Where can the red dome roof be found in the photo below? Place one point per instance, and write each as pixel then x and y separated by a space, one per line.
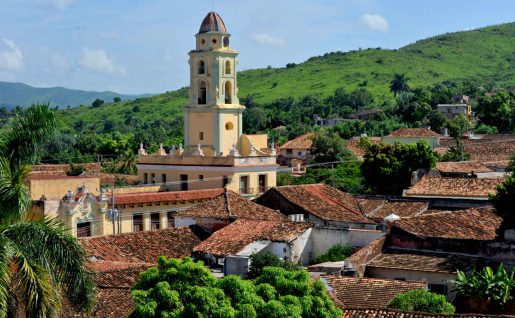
pixel 212 23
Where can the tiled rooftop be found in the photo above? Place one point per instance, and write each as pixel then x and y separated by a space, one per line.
pixel 417 260
pixel 414 133
pixel 110 302
pixel 368 292
pixel 141 246
pixel 392 313
pixel 463 167
pixel 377 209
pixel 120 277
pixel 491 150
pixel 454 187
pixel 234 237
pixel 471 224
pixel 146 197
pixel 323 201
pixel 229 205
pixel 303 142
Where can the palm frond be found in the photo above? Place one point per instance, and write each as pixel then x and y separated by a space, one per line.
pixel 38 291
pixel 4 279
pixel 27 131
pixel 58 252
pixel 15 197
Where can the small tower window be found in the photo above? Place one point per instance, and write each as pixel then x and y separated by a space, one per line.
pixel 228 92
pixel 227 67
pixel 202 92
pixel 201 135
pixel 201 67
pixel 229 126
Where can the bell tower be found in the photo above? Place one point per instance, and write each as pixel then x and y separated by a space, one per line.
pixel 213 117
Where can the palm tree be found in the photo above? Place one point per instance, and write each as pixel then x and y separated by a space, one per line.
pixel 39 261
pixel 399 84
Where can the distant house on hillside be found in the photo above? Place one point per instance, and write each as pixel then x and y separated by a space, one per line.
pixel 453 110
pixel 327 122
pixel 413 135
pixel 365 114
pixel 298 148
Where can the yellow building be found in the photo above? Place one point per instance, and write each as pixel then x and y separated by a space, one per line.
pixel 215 152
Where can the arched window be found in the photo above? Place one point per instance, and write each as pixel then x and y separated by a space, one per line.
pixel 202 89
pixel 201 67
pixel 227 67
pixel 228 92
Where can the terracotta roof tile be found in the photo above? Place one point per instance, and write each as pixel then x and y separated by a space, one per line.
pixel 303 142
pixel 141 246
pixel 463 167
pixel 414 133
pixel 110 302
pixel 377 209
pixel 145 197
pixel 392 313
pixel 454 187
pixel 496 150
pixel 230 205
pixel 404 259
pixel 471 224
pixel 323 201
pixel 234 237
pixel 368 292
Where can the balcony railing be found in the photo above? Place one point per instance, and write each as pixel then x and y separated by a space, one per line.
pixel 246 190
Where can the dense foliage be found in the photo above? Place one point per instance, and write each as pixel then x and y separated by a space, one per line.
pixel 40 262
pixel 422 300
pixel 497 110
pixel 262 260
pixel 504 201
pixel 184 288
pixel 498 286
pixel 335 253
pixel 387 168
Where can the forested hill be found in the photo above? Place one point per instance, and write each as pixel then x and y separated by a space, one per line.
pixel 483 57
pixel 19 94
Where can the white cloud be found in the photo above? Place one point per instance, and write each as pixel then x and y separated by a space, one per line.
pixel 11 58
pixel 267 39
pixel 59 62
pixel 60 4
pixel 98 61
pixel 375 22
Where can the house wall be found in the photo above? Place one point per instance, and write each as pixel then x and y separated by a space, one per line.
pixel 413 275
pixel 324 238
pixel 236 265
pixel 302 248
pixel 56 188
pixel 359 259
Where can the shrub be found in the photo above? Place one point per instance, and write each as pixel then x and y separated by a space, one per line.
pixel 75 170
pixel 261 260
pixel 336 253
pixel 422 300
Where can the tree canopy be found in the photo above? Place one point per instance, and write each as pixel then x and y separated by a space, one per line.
pixel 387 168
pixel 184 289
pixel 422 300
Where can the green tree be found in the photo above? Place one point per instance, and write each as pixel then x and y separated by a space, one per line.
pixel 97 103
pixel 456 152
pixel 497 110
pixel 338 252
pixel 399 84
pixel 262 260
pixel 436 120
pixel 184 288
pixel 328 146
pixel 117 99
pixel 422 300
pixel 458 126
pixel 36 254
pixel 75 170
pixel 504 201
pixel 387 168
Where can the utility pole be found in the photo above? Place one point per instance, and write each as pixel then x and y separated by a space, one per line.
pixel 113 211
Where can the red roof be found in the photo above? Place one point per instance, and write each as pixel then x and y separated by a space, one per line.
pixel 146 197
pixel 231 205
pixel 303 142
pixel 234 237
pixel 414 133
pixel 141 246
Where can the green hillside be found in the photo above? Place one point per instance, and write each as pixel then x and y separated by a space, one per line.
pixel 19 94
pixel 485 56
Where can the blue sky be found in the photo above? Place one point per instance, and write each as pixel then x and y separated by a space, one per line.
pixel 141 46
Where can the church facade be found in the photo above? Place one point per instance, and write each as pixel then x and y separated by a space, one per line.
pixel 215 152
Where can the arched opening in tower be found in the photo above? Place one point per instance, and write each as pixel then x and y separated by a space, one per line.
pixel 227 67
pixel 202 90
pixel 201 67
pixel 228 92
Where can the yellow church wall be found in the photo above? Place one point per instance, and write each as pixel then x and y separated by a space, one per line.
pixel 201 123
pixel 229 128
pixel 56 187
